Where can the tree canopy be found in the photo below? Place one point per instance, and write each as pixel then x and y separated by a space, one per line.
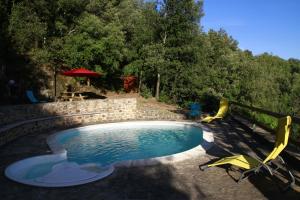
pixel 162 42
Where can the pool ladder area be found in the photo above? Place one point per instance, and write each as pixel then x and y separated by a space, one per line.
pixel 55 171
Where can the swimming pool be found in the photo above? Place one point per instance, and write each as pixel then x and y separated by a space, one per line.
pixel 109 143
pixel 89 153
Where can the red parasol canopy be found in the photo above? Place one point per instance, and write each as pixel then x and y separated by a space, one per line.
pixel 81 72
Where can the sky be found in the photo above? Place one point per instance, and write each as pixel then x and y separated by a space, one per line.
pixel 260 26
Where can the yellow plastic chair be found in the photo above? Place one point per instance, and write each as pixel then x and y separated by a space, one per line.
pixel 249 164
pixel 224 105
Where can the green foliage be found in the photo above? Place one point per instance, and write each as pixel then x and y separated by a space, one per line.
pixel 295 95
pixel 163 97
pixel 145 92
pixel 25 27
pixel 40 56
pixel 94 44
pixel 3 27
pixel 179 51
pixel 130 69
pixel 266 120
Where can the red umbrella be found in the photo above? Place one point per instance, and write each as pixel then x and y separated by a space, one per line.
pixel 81 72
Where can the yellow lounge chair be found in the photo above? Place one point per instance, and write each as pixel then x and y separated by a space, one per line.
pixel 221 113
pixel 249 164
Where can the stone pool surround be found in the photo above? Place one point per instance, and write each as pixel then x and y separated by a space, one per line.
pixel 19 120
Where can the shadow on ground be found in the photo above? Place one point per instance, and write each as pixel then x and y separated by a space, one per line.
pixel 92 95
pixel 233 140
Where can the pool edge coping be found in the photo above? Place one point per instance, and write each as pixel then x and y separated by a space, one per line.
pixel 199 150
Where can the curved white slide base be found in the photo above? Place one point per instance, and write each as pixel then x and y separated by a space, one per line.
pixel 55 171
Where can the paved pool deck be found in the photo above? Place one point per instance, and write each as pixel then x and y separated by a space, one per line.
pixel 180 180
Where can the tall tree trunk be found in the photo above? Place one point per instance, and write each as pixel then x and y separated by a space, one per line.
pixel 55 77
pixel 157 87
pixel 158 74
pixel 36 43
pixel 140 82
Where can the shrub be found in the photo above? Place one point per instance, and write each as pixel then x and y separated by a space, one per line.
pixel 145 92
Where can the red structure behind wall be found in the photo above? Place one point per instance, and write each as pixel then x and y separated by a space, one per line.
pixel 129 83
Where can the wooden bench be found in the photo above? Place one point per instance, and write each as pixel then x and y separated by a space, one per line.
pixel 71 96
pixel 79 97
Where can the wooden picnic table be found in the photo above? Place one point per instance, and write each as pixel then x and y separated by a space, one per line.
pixel 71 96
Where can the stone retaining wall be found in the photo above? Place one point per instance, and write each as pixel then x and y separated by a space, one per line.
pixel 23 119
pixel 145 113
pixel 112 108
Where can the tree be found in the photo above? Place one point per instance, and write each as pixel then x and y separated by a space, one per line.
pixel 140 24
pixel 222 57
pixel 179 28
pixel 295 88
pixel 161 41
pixel 25 28
pixel 3 26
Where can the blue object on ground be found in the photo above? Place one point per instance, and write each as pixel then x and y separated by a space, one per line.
pixel 32 98
pixel 195 110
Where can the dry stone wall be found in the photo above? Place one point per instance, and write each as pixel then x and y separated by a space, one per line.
pixel 20 120
pixel 111 108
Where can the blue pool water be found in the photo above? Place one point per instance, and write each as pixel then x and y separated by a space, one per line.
pixel 117 143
